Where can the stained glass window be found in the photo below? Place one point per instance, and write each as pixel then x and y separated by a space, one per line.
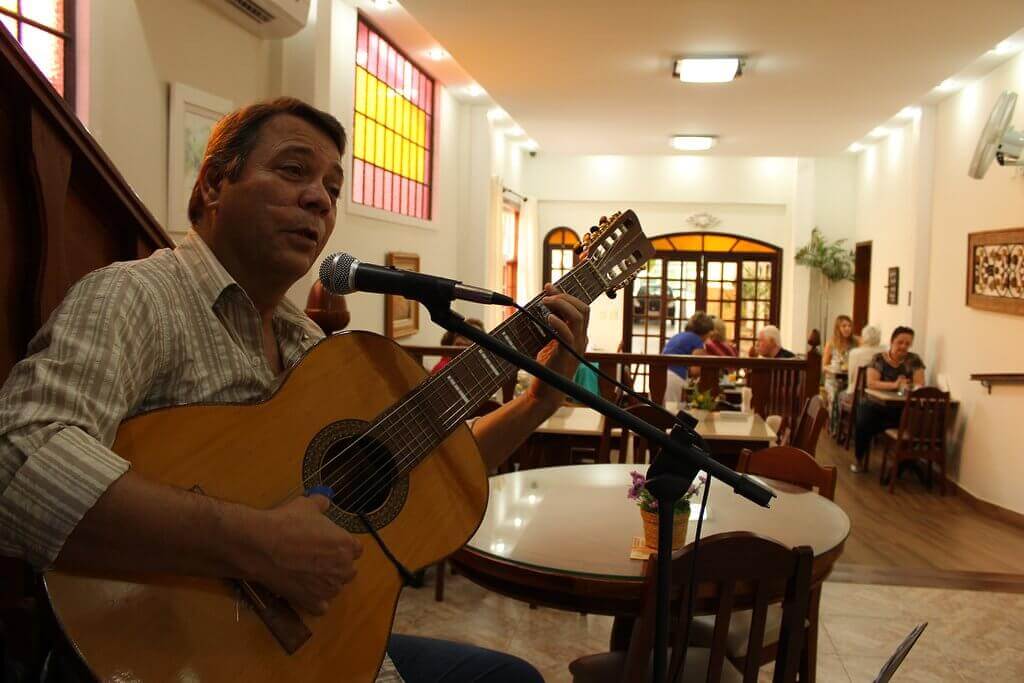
pixel 392 134
pixel 44 29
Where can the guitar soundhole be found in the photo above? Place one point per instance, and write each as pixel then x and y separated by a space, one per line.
pixel 361 471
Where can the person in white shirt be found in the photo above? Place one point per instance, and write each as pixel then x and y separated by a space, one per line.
pixel 860 357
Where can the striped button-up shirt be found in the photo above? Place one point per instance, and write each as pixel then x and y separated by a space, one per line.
pixel 170 329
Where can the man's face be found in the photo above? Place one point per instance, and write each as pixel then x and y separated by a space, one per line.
pixel 276 217
pixel 765 345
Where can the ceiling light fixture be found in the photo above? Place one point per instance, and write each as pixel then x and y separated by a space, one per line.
pixel 879 132
pixel 436 54
pixel 909 113
pixel 708 69
pixel 515 132
pixel 856 147
pixel 947 85
pixel 1004 48
pixel 497 114
pixel 693 143
pixel 474 90
pixel 531 146
pixel 382 4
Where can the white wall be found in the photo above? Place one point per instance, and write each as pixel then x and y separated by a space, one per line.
pixel 835 214
pixel 989 462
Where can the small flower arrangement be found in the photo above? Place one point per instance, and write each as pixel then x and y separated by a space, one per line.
pixel 646 502
pixel 703 400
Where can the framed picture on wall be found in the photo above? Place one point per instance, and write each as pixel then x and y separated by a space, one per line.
pixel 893 285
pixel 995 270
pixel 401 316
pixel 192 115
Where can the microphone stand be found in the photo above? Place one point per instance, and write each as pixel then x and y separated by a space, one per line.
pixel 669 476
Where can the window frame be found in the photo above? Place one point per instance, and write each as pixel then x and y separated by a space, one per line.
pixel 435 183
pixel 68 35
pixel 548 247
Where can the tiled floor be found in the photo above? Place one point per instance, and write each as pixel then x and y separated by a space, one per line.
pixel 971 636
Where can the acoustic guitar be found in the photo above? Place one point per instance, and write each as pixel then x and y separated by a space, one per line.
pixel 356 414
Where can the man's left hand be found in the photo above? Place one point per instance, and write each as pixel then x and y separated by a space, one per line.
pixel 569 318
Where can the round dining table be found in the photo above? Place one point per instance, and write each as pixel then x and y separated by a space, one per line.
pixel 561 536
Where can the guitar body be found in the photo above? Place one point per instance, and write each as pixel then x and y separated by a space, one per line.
pixel 161 628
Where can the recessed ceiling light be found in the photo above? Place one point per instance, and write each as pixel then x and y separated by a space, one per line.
pixel 708 69
pixel 879 132
pixel 1004 48
pixel 436 54
pixel 383 4
pixel 947 85
pixel 515 132
pixel 856 147
pixel 531 145
pixel 474 90
pixel 909 112
pixel 693 143
pixel 497 114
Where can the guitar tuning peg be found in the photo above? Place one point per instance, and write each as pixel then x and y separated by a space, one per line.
pixel 578 249
pixel 594 229
pixel 612 293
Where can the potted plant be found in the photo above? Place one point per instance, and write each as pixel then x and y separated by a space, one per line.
pixel 831 262
pixel 639 494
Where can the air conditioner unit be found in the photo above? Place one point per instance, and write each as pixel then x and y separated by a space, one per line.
pixel 266 18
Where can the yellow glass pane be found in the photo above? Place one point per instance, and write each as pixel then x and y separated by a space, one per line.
pixel 419 164
pixel 718 243
pixel 408 120
pixel 662 244
pixel 358 136
pixel 421 126
pixel 563 237
pixel 371 140
pixel 403 125
pixel 389 151
pixel 389 118
pixel 405 158
pixel 371 96
pixel 747 246
pixel 382 106
pixel 360 90
pixel 379 146
pixel 396 154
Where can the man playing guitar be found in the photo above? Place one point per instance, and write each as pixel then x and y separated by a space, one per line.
pixel 209 322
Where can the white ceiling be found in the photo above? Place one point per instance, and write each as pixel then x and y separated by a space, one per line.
pixel 595 77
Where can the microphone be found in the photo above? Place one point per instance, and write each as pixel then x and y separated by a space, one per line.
pixel 342 273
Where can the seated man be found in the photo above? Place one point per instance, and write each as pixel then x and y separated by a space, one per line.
pixel 769 344
pixel 209 322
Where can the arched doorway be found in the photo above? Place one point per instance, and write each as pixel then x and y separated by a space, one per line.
pixel 559 253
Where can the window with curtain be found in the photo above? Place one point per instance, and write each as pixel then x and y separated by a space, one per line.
pixel 733 278
pixel 45 28
pixel 392 135
pixel 509 250
pixel 559 255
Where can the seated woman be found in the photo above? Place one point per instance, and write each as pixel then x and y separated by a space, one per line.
pixel 688 342
pixel 452 339
pixel 841 343
pixel 895 370
pixel 717 344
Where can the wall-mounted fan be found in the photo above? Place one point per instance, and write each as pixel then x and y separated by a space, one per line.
pixel 998 141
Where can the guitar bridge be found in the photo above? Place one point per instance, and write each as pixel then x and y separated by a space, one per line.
pixel 280 618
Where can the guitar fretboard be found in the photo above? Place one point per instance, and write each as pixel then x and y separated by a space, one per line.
pixel 415 426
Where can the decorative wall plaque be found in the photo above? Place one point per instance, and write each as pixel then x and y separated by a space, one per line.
pixel 893 286
pixel 995 270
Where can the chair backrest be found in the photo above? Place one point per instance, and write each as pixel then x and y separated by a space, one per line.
pixel 785 392
pixel 790 465
pixel 923 423
pixel 744 571
pixel 808 428
pixel 859 385
pixel 644 452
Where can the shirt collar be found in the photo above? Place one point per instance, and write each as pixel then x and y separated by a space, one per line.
pixel 212 279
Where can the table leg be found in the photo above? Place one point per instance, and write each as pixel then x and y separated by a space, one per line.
pixel 622 631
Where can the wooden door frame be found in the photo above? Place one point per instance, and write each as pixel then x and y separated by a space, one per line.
pixel 862 288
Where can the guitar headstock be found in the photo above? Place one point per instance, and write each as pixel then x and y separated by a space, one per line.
pixel 617 249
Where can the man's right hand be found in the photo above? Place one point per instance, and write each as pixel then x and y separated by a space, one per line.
pixel 302 555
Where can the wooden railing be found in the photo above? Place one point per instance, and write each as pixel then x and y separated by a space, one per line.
pixel 778 386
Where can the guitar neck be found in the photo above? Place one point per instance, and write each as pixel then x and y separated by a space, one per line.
pixel 428 414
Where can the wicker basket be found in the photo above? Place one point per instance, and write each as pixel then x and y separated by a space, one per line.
pixel 679 523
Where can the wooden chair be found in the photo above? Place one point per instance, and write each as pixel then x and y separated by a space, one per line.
pixel 805 433
pixel 486 407
pixel 796 467
pixel 921 435
pixel 848 412
pixel 725 562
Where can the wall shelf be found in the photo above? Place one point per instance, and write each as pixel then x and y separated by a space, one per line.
pixel 987 380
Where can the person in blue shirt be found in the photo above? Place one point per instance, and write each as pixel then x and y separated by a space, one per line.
pixel 690 341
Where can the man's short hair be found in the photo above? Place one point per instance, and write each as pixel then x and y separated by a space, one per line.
pixel 901 330
pixel 772 333
pixel 235 136
pixel 700 324
pixel 870 335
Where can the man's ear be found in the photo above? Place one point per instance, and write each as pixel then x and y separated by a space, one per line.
pixel 210 188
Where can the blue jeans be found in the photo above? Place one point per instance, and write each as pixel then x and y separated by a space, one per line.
pixel 425 660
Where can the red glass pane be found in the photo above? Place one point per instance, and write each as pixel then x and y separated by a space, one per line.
pixel 357 181
pixel 426 164
pixel 400 73
pixel 368 185
pixel 382 59
pixel 46 12
pixel 371 53
pixel 361 47
pixel 419 200
pixel 387 189
pixel 430 97
pixel 429 138
pixel 47 51
pixel 405 196
pixel 391 67
pixel 378 188
pixel 396 194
